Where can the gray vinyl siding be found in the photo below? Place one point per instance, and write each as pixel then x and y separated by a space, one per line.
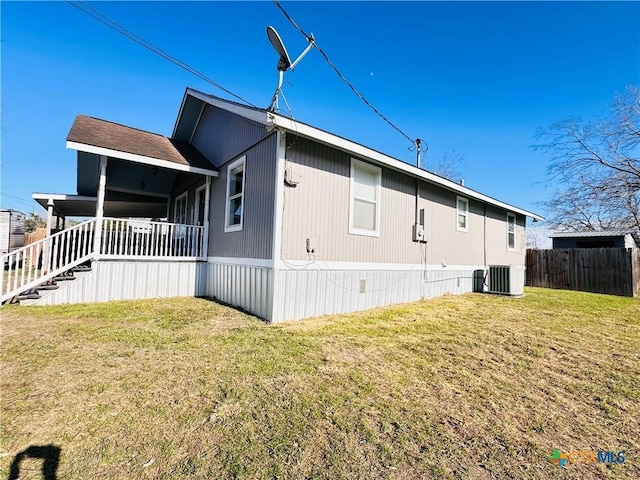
pixel 255 240
pixel 221 136
pixel 318 207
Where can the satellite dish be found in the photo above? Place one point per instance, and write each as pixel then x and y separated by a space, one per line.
pixel 284 62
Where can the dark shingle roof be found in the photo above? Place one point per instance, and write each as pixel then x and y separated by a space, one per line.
pixel 113 136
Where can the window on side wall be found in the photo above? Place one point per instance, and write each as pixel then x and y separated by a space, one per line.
pixel 364 202
pixel 180 209
pixel 234 208
pixel 462 217
pixel 511 231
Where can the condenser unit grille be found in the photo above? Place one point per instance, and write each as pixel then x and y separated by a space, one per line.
pixel 506 279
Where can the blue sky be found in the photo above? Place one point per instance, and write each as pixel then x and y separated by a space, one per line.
pixel 478 78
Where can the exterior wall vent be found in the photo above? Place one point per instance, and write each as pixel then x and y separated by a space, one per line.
pixel 506 279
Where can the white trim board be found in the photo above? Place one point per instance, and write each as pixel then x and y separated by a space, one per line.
pixel 382 159
pixel 278 204
pixel 272 120
pixel 62 196
pixel 244 111
pixel 322 265
pixel 132 157
pixel 351 266
pixel 134 258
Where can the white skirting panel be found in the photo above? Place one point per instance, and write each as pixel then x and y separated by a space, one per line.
pixel 131 280
pixel 313 292
pixel 452 280
pixel 248 287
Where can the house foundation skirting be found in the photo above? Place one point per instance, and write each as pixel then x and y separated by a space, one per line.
pixel 302 293
pixel 256 286
pixel 302 290
pixel 131 280
pixel 243 285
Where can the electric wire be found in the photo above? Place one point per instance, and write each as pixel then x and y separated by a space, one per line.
pixel 342 77
pixel 112 24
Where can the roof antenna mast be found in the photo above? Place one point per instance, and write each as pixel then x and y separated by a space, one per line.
pixel 284 63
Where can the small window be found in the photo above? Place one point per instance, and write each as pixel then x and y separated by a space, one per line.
pixel 235 196
pixel 180 210
pixel 511 231
pixel 364 204
pixel 462 217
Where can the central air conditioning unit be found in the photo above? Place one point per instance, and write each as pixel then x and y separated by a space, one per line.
pixel 506 279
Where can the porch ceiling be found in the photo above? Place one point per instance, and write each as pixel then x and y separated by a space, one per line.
pixel 115 205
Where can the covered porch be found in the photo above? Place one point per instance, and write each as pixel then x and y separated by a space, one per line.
pixel 133 189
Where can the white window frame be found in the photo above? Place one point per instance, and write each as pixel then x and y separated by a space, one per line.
pixel 377 171
pixel 231 166
pixel 184 195
pixel 515 229
pixel 465 213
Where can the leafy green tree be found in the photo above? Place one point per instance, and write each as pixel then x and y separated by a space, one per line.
pixel 34 221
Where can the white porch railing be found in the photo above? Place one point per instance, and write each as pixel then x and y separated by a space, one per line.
pixel 38 262
pixel 158 240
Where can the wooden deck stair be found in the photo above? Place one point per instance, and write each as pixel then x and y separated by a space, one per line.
pixel 52 284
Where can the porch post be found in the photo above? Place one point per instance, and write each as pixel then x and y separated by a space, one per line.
pixel 50 206
pixel 100 205
pixel 207 199
pixel 46 257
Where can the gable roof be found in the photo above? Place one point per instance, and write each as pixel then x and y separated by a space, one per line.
pixel 188 121
pixel 93 135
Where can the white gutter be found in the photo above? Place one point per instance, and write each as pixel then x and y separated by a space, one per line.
pixel 382 159
pixel 272 120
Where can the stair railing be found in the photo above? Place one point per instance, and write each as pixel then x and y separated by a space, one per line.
pixel 40 261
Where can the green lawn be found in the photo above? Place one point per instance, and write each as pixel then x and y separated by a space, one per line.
pixel 475 386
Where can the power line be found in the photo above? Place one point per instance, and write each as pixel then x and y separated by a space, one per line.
pixel 342 77
pixel 112 24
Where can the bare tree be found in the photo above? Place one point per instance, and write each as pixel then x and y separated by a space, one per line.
pixel 595 167
pixel 449 166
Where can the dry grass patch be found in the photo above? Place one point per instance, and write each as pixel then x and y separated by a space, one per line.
pixel 457 387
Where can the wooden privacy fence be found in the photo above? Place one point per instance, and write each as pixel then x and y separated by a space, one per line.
pixel 615 271
pixel 32 237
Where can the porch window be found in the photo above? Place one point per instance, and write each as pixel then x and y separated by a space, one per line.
pixel 180 209
pixel 364 211
pixel 235 196
pixel 511 231
pixel 462 217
